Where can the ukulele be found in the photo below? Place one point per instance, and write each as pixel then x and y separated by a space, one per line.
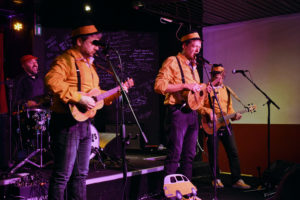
pixel 80 113
pixel 196 99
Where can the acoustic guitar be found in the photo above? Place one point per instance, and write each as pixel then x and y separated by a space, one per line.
pixel 208 124
pixel 196 99
pixel 80 113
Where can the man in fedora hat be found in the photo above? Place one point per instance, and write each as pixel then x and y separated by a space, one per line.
pixel 177 74
pixel 228 141
pixel 71 72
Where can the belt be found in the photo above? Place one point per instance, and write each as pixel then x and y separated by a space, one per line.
pixel 182 107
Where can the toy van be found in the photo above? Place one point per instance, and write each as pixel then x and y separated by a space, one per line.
pixel 178 186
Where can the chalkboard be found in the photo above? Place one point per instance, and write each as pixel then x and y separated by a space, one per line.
pixel 56 42
pixel 139 60
pixel 139 55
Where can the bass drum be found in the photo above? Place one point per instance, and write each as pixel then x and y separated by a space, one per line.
pixel 95 141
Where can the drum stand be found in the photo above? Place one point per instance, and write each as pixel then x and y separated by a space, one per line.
pixel 96 151
pixel 40 150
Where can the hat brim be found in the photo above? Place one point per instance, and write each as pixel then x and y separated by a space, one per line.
pixel 84 31
pixel 190 36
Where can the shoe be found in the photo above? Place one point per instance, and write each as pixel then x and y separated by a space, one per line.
pixel 240 184
pixel 219 183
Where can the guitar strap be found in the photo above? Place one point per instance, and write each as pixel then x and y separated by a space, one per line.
pixel 229 90
pixel 210 101
pixel 78 77
pixel 229 97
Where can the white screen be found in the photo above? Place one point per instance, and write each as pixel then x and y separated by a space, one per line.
pixel 270 49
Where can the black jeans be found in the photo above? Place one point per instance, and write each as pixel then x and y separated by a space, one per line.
pixel 229 144
pixel 182 141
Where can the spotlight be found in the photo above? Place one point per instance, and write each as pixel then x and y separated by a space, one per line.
pixel 17 26
pixel 87 8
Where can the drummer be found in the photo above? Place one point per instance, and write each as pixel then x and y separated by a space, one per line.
pixel 29 86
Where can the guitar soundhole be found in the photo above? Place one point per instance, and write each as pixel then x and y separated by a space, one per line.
pixel 81 108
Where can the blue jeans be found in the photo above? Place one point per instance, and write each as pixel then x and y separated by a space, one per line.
pixel 71 145
pixel 182 141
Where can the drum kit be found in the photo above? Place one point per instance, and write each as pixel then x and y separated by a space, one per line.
pixel 33 124
pixel 34 137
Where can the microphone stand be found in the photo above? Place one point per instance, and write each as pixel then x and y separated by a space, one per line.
pixel 215 98
pixel 269 102
pixel 125 140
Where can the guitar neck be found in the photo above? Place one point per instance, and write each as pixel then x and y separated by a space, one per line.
pixel 215 81
pixel 107 93
pixel 230 116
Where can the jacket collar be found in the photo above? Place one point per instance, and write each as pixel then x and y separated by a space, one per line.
pixel 186 61
pixel 79 57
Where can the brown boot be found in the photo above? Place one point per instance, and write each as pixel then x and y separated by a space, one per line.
pixel 241 185
pixel 219 183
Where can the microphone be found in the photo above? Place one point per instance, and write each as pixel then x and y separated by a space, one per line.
pixel 103 45
pixel 202 59
pixel 234 71
pixel 100 43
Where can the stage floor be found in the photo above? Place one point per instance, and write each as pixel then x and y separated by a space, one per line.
pixel 144 181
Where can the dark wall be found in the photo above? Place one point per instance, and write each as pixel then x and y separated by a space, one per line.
pixel 16 44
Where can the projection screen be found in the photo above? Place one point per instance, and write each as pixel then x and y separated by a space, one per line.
pixel 270 49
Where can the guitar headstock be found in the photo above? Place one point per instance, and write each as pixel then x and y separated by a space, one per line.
pixel 129 83
pixel 251 108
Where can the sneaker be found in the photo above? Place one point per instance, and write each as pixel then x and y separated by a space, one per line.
pixel 219 183
pixel 240 184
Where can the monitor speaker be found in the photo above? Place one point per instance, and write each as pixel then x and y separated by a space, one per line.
pixel 132 130
pixel 111 143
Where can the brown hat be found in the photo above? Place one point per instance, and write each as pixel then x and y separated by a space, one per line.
pixel 190 36
pixel 84 30
pixel 25 58
pixel 217 69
